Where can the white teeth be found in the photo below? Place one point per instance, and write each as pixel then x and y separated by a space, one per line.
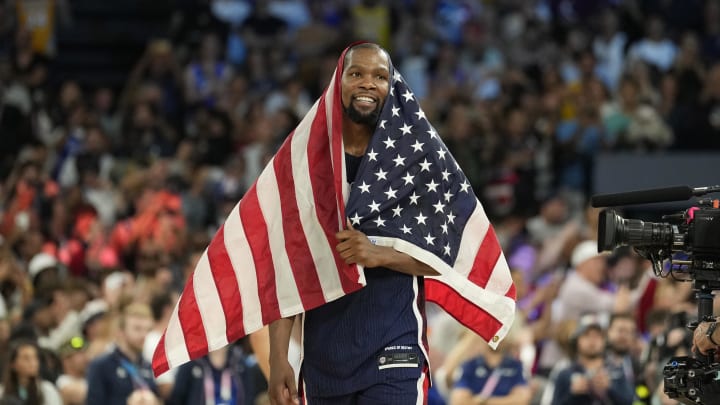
pixel 366 99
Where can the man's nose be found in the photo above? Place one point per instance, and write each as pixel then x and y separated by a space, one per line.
pixel 367 82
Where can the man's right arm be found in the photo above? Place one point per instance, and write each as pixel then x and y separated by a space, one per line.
pixel 281 387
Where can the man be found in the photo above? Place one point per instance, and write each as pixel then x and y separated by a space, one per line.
pixel 72 383
pixel 222 377
pixel 119 375
pixel 359 203
pixel 344 339
pixel 621 338
pixel 589 380
pixel 494 377
pixel 582 292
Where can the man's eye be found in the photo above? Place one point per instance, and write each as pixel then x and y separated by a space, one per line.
pixel 382 77
pixel 355 74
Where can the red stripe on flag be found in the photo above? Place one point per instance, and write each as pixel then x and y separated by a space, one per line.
pixel 511 292
pixel 303 265
pixel 486 258
pixel 255 229
pixel 191 322
pixel 336 146
pixel 463 310
pixel 227 286
pixel 159 360
pixel 324 192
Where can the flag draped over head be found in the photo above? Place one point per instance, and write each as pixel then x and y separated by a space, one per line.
pixel 275 254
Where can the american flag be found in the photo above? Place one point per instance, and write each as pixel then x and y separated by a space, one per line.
pixel 275 254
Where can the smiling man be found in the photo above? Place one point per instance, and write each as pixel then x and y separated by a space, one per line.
pixel 366 347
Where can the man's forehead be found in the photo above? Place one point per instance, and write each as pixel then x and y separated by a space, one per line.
pixel 364 55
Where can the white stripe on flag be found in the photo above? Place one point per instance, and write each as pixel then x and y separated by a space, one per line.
pixel 240 257
pixel 209 305
pixel 269 201
pixel 175 347
pixel 500 280
pixel 475 230
pixel 329 103
pixel 320 249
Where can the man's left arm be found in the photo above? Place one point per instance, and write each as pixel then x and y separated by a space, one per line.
pixel 355 247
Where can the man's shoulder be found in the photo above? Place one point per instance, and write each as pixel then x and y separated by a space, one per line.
pixel 104 360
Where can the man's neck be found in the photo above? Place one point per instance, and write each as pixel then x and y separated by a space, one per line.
pixel 617 355
pixel 356 137
pixel 591 363
pixel 128 352
pixel 493 358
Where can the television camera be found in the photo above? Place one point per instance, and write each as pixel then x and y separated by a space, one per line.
pixel 685 247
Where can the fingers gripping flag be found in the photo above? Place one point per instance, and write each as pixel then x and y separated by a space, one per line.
pixel 275 254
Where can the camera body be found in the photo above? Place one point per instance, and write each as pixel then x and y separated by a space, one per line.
pixel 686 247
pixel 694 233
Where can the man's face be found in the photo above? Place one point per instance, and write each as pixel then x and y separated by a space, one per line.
pixel 591 344
pixel 135 330
pixel 621 335
pixel 365 84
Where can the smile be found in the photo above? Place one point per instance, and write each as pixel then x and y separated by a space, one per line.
pixel 365 100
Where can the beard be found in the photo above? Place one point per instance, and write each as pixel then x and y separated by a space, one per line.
pixel 620 351
pixel 592 355
pixel 370 118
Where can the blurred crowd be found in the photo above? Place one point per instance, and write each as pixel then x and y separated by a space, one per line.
pixel 109 195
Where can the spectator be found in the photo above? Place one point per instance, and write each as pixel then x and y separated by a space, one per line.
pixel 159 66
pixel 22 377
pixel 622 346
pixel 589 379
pixel 72 383
pixel 65 320
pixel 162 305
pixel 656 49
pixel 262 30
pixel 115 376
pixel 223 376
pixel 494 377
pixel 609 49
pixel 581 292
pixel 208 75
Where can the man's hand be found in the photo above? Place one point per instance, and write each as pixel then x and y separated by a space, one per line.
pixel 142 397
pixel 281 387
pixel 579 384
pixel 355 247
pixel 700 339
pixel 600 381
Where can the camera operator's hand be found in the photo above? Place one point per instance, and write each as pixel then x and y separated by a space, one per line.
pixel 701 342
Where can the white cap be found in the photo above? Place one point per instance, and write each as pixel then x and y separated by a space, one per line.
pixel 92 309
pixel 39 262
pixel 583 251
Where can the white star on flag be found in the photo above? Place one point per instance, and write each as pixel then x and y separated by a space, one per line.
pixel 365 188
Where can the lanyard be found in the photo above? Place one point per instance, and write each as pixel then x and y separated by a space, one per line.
pixel 491 383
pixel 209 385
pixel 137 380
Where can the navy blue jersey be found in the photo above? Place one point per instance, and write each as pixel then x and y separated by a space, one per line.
pixel 350 343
